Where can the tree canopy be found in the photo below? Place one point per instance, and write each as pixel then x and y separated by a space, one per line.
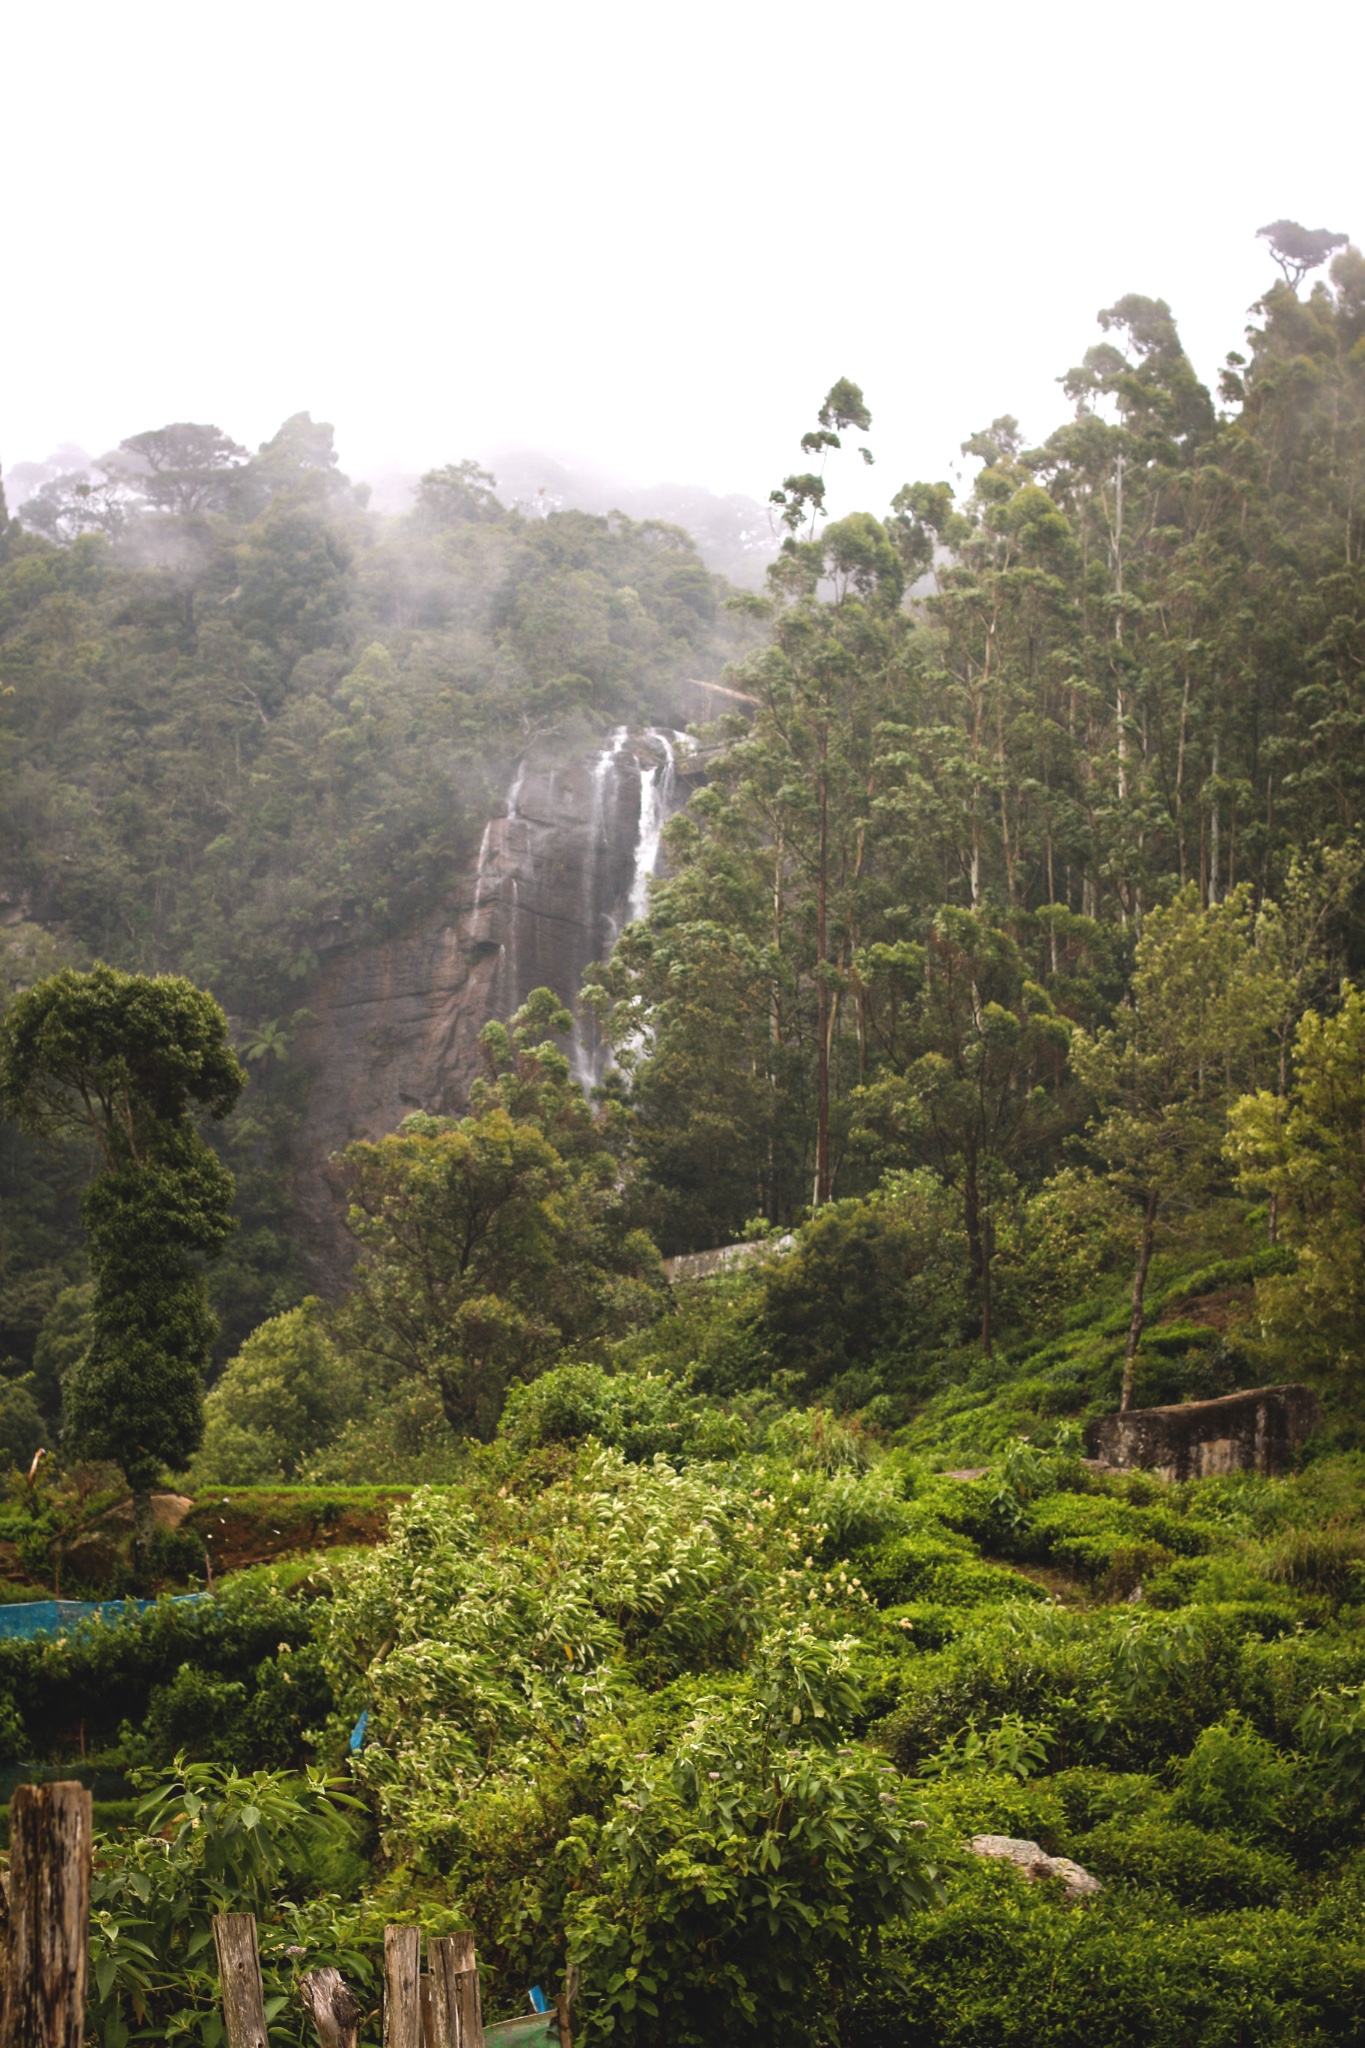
pixel 124 1059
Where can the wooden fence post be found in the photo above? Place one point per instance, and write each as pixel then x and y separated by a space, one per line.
pixel 333 2008
pixel 402 1987
pixel 239 1971
pixel 564 2006
pixel 456 2013
pixel 49 1913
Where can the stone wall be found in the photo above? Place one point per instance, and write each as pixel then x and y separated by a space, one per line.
pixel 1255 1431
pixel 705 1265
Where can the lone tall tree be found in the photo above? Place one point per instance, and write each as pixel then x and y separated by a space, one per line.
pixel 1203 1004
pixel 124 1059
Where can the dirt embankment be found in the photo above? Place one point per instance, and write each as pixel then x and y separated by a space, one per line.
pixel 243 1526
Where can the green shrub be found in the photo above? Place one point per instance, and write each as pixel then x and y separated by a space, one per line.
pixel 193 1715
pixel 1328 1560
pixel 1191 1865
pixel 286 1393
pixel 245 1723
pixel 922 1625
pixel 740 1882
pixel 1236 1782
pixel 403 1439
pixel 997 1803
pixel 942 1572
pixel 211 1841
pixel 852 1514
pixel 1089 1796
pixel 22 1426
pixel 176 1554
pixel 1005 1965
pixel 1124 1689
pixel 643 1415
pixel 815 1441
pixel 869 1285
pixel 100 1676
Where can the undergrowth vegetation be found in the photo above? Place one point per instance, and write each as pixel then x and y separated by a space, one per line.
pixel 709 1700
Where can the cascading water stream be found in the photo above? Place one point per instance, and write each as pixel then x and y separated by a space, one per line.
pixel 482 868
pixel 555 884
pixel 587 1059
pixel 656 789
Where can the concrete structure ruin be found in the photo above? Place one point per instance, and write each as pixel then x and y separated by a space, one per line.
pixel 1256 1431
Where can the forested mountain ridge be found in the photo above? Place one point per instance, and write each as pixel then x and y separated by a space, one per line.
pixel 188 684
pixel 905 921
pixel 246 722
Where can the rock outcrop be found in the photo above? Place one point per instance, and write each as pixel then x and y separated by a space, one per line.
pixel 1034 1863
pixel 1255 1431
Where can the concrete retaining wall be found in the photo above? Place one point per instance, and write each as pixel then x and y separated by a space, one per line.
pixel 1251 1432
pixel 704 1265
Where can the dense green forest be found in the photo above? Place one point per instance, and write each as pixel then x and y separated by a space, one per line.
pixel 1001 994
pixel 245 721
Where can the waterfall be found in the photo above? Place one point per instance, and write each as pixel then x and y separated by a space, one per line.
pixel 656 788
pixel 511 957
pixel 482 868
pixel 587 1059
pixel 564 865
pixel 601 771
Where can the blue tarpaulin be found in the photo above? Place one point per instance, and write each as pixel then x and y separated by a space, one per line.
pixel 49 1617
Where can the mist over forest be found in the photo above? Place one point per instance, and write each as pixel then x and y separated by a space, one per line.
pixel 702 1163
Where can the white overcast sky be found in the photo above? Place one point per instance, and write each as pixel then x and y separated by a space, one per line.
pixel 650 235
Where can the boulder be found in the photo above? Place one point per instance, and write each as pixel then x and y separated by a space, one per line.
pixel 1034 1862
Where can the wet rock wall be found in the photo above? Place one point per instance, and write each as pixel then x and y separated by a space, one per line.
pixel 561 868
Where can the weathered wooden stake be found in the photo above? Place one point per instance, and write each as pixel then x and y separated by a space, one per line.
pixel 239 1970
pixel 402 1987
pixel 456 2013
pixel 564 2006
pixel 49 1913
pixel 333 2008
pixel 562 2015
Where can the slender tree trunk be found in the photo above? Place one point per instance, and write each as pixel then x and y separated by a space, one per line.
pixel 144 1523
pixel 978 1256
pixel 1139 1315
pixel 1180 779
pixel 987 1249
pixel 822 992
pixel 1273 1209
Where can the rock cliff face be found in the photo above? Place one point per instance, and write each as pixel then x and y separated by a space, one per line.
pixel 560 870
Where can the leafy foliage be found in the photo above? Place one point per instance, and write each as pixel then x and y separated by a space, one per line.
pixel 211 1841
pixel 488 1241
pixel 122 1059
